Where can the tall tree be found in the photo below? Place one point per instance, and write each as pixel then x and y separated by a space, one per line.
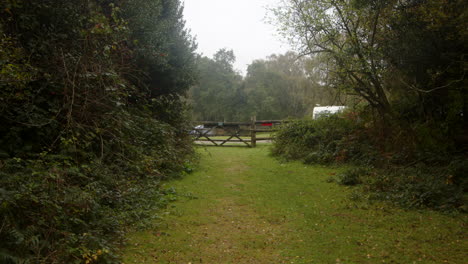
pixel 345 33
pixel 407 59
pixel 425 46
pixel 277 87
pixel 287 85
pixel 217 96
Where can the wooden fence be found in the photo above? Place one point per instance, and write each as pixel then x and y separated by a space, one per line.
pixel 244 133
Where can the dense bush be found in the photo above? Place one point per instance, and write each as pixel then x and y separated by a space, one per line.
pixel 91 122
pixel 420 186
pixel 352 176
pixel 325 140
pixel 59 210
pixel 394 168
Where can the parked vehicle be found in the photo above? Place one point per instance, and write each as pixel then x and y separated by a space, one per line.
pixel 201 129
pixel 324 111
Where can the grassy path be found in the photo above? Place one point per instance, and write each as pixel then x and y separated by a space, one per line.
pixel 242 206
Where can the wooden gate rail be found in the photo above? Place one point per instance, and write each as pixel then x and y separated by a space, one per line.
pixel 208 131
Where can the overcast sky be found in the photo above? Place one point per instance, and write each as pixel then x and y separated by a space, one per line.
pixel 234 24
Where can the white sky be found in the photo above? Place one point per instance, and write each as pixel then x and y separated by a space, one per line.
pixel 233 24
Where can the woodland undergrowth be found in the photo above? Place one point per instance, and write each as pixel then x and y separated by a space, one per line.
pixel 91 123
pixel 397 167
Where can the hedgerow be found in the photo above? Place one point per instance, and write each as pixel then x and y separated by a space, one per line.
pixel 402 170
pixel 91 123
pixel 325 140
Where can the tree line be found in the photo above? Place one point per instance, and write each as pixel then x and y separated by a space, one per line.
pixel 278 87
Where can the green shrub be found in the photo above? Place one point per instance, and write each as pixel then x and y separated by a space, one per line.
pixel 57 210
pixel 91 122
pixel 408 172
pixel 325 140
pixel 417 187
pixel 352 176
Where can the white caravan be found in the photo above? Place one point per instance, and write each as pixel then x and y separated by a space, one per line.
pixel 323 111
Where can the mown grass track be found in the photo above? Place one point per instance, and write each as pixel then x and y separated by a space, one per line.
pixel 243 206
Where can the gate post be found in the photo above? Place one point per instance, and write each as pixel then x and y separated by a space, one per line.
pixel 253 135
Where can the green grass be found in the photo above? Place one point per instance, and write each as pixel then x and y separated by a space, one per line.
pixel 243 206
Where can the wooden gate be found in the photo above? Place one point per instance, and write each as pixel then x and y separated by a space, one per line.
pixel 244 133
